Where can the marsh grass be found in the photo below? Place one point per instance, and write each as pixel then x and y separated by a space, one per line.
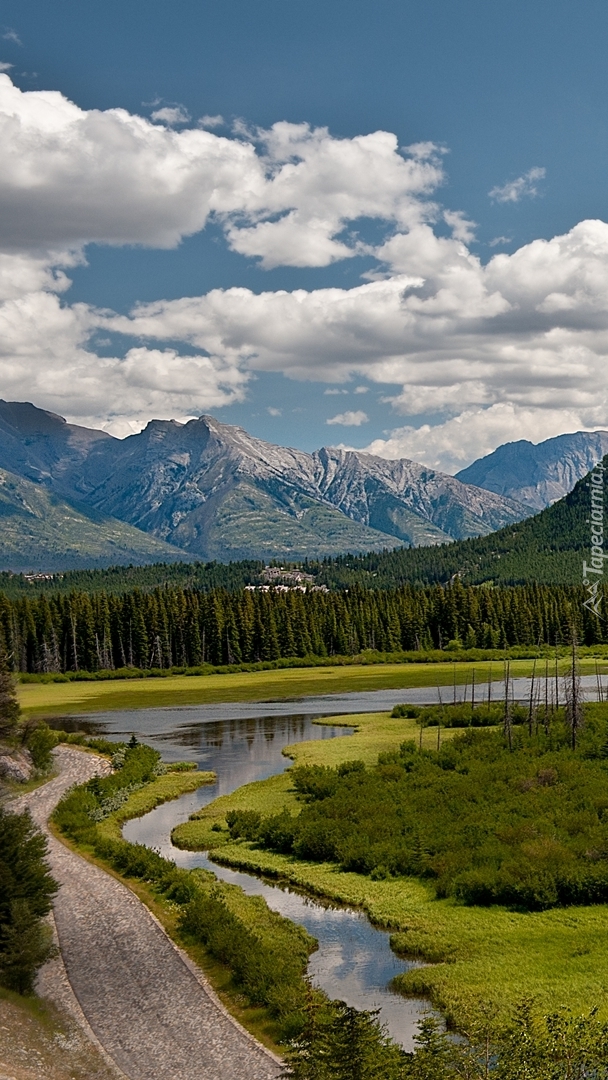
pixel 66 698
pixel 473 955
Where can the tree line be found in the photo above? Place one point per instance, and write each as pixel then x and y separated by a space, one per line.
pixel 175 627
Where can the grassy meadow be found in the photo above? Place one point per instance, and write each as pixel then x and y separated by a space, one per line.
pixel 67 698
pixel 471 955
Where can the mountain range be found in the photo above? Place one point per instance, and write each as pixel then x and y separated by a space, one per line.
pixel 546 549
pixel 213 491
pixel 72 496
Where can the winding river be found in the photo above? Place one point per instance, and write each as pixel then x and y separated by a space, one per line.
pixel 354 961
pixel 242 742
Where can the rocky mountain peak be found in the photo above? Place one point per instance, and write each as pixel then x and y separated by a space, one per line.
pixel 538 474
pixel 216 491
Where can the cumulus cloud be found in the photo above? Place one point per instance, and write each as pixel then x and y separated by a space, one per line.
pixel 274 412
pixel 527 330
pixel 71 176
pixel 45 358
pixel 488 349
pixel 171 115
pixel 455 443
pixel 514 190
pixel 349 419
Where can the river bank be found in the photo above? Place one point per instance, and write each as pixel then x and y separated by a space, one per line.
pixel 48 699
pixel 477 954
pixel 472 954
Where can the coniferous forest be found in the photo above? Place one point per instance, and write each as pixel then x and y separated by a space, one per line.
pixel 176 627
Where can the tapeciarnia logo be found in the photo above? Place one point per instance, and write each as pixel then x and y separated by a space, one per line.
pixel 596 535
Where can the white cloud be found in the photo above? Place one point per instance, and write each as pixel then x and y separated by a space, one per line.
pixel 11 35
pixel 455 443
pixel 462 228
pixel 333 391
pixel 486 349
pixel 5 66
pixel 361 390
pixel 498 241
pixel 70 177
pixel 274 412
pixel 529 330
pixel 349 419
pixel 171 115
pixel 514 190
pixel 44 358
pixel 207 121
pixel 27 274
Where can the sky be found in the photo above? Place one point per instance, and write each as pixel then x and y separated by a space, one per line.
pixel 377 225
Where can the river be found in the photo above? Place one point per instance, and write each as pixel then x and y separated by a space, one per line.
pixel 354 961
pixel 243 742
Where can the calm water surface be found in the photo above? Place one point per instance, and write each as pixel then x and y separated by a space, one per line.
pixel 354 961
pixel 242 742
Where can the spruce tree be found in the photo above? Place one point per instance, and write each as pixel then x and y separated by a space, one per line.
pixel 26 892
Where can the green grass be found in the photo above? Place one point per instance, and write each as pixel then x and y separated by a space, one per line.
pixel 170 786
pixel 375 732
pixel 60 699
pixel 473 955
pixel 251 910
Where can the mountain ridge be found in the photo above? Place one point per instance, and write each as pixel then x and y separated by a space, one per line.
pixel 551 468
pixel 215 491
pixel 39 530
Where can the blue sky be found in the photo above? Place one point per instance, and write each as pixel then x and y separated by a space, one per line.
pixel 395 321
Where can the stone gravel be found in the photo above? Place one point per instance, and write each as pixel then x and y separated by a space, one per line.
pixel 153 1013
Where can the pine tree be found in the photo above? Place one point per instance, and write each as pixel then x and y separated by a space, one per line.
pixel 26 892
pixel 25 944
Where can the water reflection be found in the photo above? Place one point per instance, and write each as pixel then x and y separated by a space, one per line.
pixel 354 961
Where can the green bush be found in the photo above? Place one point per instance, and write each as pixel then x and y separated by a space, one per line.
pixel 80 808
pixel 266 954
pixel 526 827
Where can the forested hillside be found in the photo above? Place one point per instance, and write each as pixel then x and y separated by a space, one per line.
pixel 187 628
pixel 544 549
pixel 117 579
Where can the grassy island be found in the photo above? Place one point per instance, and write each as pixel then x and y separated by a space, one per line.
pixel 475 950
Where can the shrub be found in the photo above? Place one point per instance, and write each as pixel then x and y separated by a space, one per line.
pixel 243 824
pixel 40 742
pixel 526 827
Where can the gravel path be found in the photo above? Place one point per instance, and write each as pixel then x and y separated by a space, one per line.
pixel 148 1006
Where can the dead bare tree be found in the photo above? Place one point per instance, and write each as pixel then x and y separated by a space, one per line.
pixel 574 694
pixel 531 704
pixel 508 719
